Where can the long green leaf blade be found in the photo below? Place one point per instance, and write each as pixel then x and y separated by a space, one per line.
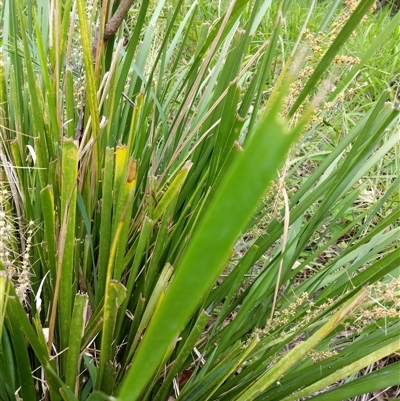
pixel 211 246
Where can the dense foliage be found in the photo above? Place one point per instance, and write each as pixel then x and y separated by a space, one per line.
pixel 198 201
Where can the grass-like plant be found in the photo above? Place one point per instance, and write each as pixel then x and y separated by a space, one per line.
pixel 149 248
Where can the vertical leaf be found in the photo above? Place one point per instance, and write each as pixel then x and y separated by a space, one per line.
pixel 47 198
pixel 105 224
pixel 128 191
pixel 91 91
pixel 74 343
pixel 66 274
pixel 115 294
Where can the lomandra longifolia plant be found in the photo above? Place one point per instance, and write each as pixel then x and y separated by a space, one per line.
pixel 181 216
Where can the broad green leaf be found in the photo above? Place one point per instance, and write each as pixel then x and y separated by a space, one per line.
pixel 210 246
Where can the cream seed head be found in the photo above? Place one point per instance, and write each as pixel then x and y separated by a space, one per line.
pixel 13 254
pixel 318 356
pixel 318 45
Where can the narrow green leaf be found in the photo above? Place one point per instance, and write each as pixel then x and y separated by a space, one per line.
pixel 42 158
pixel 66 394
pixel 337 44
pixel 27 389
pixel 355 389
pixel 100 396
pixel 172 191
pixel 206 387
pixel 47 198
pixel 115 294
pixel 376 44
pixel 53 391
pixel 93 327
pixel 116 94
pixel 121 161
pixel 386 377
pixel 51 103
pixel 233 283
pixel 74 342
pixel 105 225
pixel 91 89
pixel 128 192
pixel 65 17
pixel 16 155
pixel 187 348
pixel 36 109
pixel 4 283
pixel 145 233
pixel 18 317
pixel 8 370
pixel 368 342
pixel 66 273
pixel 70 104
pixel 155 300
